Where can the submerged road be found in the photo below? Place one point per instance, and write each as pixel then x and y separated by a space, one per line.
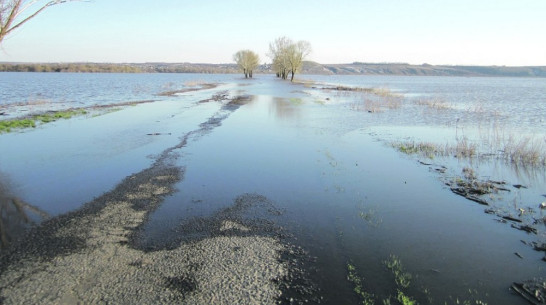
pixel 262 192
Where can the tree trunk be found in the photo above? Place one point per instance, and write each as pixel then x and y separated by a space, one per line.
pixel 292 78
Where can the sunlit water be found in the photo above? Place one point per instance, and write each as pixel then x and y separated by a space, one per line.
pixel 346 196
pixel 514 103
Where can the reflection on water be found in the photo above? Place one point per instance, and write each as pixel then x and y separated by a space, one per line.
pixel 15 215
pixel 286 108
pixel 346 198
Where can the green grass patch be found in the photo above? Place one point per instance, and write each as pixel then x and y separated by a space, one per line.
pixel 52 117
pixel 8 126
pixel 296 101
pixel 353 277
pixel 428 150
pixel 402 278
pixel 31 122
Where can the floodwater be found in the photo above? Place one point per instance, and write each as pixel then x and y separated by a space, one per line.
pixel 346 197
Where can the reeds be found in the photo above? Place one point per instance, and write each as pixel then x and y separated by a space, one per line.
pixel 463 148
pixel 520 151
pixel 524 151
pixel 434 103
pixel 373 104
pixel 195 83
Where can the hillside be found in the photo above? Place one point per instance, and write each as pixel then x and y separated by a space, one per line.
pixel 422 70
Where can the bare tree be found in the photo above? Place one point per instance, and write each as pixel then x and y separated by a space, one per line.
pixel 278 54
pixel 296 54
pixel 14 13
pixel 247 61
pixel 288 56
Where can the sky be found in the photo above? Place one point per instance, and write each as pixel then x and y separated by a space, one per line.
pixel 441 32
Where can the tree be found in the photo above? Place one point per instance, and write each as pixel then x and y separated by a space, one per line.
pixel 278 54
pixel 296 53
pixel 288 56
pixel 247 61
pixel 14 13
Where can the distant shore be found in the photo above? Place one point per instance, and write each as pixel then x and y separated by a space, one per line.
pixel 356 68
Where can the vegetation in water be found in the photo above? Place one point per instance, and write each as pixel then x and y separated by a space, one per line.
pixel 525 151
pixel 426 149
pixel 353 277
pixel 9 125
pixel 370 217
pixel 31 122
pixel 402 278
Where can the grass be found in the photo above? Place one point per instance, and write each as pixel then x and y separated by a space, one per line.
pixel 402 278
pixel 374 104
pixel 404 299
pixel 9 125
pixel 463 149
pixel 426 149
pixel 382 91
pixel 523 151
pixel 434 103
pixel 52 117
pixel 403 281
pixel 366 297
pixel 370 218
pixel 296 101
pixel 194 83
pixel 373 99
pixel 31 122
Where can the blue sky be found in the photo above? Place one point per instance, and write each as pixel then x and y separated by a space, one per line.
pixel 477 32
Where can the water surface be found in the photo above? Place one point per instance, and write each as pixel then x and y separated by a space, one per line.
pixel 346 197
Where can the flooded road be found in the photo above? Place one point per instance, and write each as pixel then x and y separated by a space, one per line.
pixel 316 167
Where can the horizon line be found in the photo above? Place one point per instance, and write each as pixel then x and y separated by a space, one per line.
pixel 232 63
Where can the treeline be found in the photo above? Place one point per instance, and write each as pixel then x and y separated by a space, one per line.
pixel 118 68
pixel 188 68
pixel 307 67
pixel 70 67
